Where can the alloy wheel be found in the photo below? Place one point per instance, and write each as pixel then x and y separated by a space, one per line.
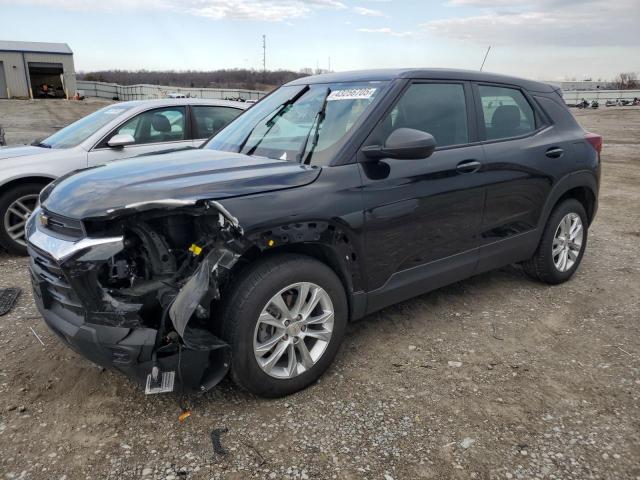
pixel 16 216
pixel 567 242
pixel 293 330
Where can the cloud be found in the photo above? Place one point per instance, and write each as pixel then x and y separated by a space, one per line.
pixel 386 31
pixel 543 22
pixel 260 10
pixel 368 12
pixel 501 4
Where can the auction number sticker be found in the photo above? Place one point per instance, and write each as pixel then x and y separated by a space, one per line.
pixel 351 94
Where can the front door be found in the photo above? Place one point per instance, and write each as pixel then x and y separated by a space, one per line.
pixel 423 217
pixel 153 130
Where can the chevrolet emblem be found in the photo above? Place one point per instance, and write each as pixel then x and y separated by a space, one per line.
pixel 44 220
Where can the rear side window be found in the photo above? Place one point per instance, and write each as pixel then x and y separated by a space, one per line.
pixel 506 111
pixel 436 108
pixel 210 120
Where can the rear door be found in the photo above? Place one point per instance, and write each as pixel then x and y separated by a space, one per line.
pixel 519 144
pixel 422 217
pixel 153 130
pixel 207 120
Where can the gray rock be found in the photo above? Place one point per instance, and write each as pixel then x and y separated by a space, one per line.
pixel 467 442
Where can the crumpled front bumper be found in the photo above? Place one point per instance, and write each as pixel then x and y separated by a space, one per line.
pixel 125 349
pixel 57 264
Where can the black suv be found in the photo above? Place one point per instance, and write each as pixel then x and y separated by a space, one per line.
pixel 333 197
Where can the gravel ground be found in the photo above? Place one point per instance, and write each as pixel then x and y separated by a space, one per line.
pixel 27 120
pixel 494 377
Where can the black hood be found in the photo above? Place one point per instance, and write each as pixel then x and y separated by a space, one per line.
pixel 175 178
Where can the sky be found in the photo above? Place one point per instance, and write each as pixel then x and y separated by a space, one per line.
pixel 540 39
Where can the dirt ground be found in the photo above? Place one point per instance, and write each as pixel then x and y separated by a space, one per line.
pixel 494 377
pixel 27 120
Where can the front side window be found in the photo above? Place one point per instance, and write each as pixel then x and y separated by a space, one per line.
pixel 506 112
pixel 154 126
pixel 435 108
pixel 304 123
pixel 208 121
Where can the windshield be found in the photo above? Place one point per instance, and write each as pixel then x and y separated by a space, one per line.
pixel 303 123
pixel 79 131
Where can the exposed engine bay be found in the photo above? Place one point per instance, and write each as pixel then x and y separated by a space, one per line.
pixel 166 259
pixel 159 284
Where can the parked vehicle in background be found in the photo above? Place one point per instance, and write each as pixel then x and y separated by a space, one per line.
pixel 331 198
pixel 583 104
pixel 176 95
pixel 114 132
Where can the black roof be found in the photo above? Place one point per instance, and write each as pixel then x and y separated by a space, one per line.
pixel 423 73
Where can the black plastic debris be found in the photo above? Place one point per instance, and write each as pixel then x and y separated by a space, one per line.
pixel 8 297
pixel 215 440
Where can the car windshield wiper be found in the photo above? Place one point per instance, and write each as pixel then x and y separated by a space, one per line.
pixel 271 122
pixel 317 121
pixel 40 144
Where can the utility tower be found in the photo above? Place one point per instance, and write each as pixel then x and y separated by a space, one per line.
pixel 264 54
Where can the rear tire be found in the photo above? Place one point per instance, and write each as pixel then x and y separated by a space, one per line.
pixel 258 330
pixel 562 245
pixel 16 204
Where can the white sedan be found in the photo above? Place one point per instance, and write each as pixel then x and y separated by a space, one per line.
pixel 121 130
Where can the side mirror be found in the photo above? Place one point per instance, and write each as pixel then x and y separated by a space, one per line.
pixel 121 140
pixel 403 144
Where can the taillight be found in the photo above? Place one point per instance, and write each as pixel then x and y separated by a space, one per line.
pixel 595 140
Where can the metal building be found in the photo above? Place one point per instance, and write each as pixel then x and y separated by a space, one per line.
pixel 36 70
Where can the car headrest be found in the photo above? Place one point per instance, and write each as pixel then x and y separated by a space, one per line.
pixel 160 123
pixel 506 117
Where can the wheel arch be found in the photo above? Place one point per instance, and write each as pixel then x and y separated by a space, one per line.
pixel 582 186
pixel 25 180
pixel 345 269
pixel 585 196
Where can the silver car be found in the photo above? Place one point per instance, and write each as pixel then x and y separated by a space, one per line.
pixel 114 132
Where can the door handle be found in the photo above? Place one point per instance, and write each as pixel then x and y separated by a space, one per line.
pixel 554 152
pixel 468 166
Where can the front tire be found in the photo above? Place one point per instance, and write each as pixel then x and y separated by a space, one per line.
pixel 16 204
pixel 562 245
pixel 285 318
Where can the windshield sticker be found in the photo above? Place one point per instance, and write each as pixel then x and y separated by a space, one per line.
pixel 351 94
pixel 115 111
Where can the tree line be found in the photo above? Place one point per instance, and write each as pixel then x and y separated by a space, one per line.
pixel 236 78
pixel 626 81
pixel 249 79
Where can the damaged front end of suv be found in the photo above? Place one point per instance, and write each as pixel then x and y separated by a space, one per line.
pixel 133 290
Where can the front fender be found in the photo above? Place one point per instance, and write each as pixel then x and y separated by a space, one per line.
pixel 331 240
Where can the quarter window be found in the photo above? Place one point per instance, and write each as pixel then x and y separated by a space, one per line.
pixel 506 112
pixel 435 108
pixel 154 126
